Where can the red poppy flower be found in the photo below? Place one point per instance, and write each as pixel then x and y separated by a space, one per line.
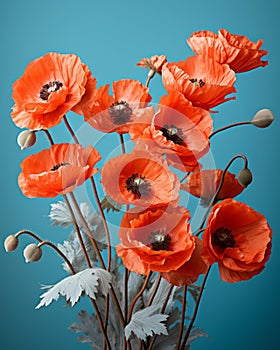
pixel 179 130
pixel 205 183
pixel 57 170
pixel 201 80
pixel 189 272
pixel 157 239
pixel 51 86
pixel 155 63
pixel 139 178
pixel 237 51
pixel 115 113
pixel 238 238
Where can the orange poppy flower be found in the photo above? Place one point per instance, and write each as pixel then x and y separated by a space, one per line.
pixel 158 239
pixel 237 51
pixel 155 63
pixel 238 238
pixel 139 178
pixel 115 113
pixel 201 80
pixel 179 130
pixel 189 272
pixel 205 183
pixel 57 170
pixel 51 86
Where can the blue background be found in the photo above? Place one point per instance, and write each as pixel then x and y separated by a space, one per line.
pixel 110 37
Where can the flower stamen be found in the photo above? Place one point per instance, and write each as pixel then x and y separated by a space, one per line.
pixel 172 133
pixel 48 88
pixel 138 185
pixel 159 240
pixel 197 82
pixel 223 238
pixel 57 166
pixel 120 112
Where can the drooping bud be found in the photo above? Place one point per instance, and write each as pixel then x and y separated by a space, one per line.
pixel 11 243
pixel 32 253
pixel 26 139
pixel 263 118
pixel 245 177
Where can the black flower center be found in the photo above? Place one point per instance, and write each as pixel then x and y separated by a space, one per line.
pixel 48 88
pixel 223 238
pixel 172 133
pixel 159 240
pixel 138 185
pixel 57 166
pixel 120 112
pixel 197 82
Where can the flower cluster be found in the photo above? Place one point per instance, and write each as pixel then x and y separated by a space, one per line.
pixel 155 235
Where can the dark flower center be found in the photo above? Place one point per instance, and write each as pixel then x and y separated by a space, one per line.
pixel 173 134
pixel 223 238
pixel 159 240
pixel 120 112
pixel 57 166
pixel 47 89
pixel 138 185
pixel 197 82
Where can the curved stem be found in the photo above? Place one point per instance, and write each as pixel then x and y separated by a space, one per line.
pixel 81 217
pixel 199 231
pixel 104 222
pixel 29 233
pixel 70 129
pixel 183 317
pixel 104 333
pixel 122 143
pixel 154 290
pixel 138 295
pixel 49 136
pixel 87 229
pixel 228 127
pixel 185 177
pixel 221 184
pixel 161 311
pixel 64 257
pixel 195 310
pixel 77 230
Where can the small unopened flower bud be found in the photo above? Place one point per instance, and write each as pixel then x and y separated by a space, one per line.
pixel 11 243
pixel 32 253
pixel 245 177
pixel 263 118
pixel 26 139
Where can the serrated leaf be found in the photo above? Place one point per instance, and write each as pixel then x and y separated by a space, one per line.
pixel 146 323
pixel 72 287
pixel 195 334
pixel 60 215
pixel 90 328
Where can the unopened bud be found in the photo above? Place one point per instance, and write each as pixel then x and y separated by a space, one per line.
pixel 263 118
pixel 32 253
pixel 26 139
pixel 11 243
pixel 245 177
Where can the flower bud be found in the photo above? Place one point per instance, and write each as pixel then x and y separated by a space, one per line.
pixel 11 243
pixel 263 118
pixel 32 253
pixel 26 139
pixel 245 177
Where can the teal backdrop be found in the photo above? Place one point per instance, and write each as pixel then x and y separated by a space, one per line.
pixel 111 37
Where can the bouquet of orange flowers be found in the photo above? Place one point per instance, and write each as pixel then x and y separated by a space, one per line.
pixel 139 282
